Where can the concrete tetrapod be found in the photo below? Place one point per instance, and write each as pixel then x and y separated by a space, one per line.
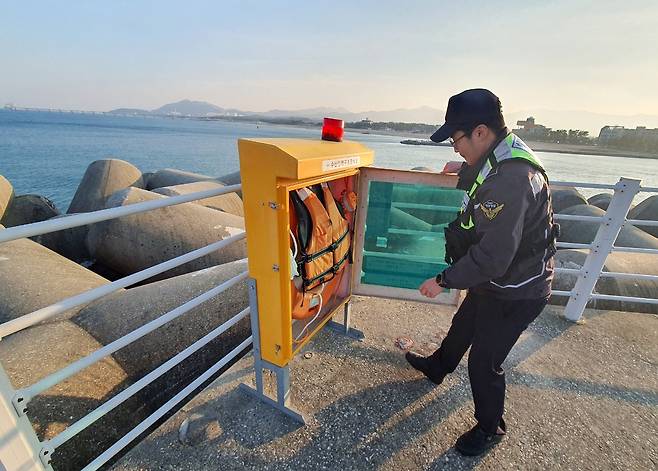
pixel 403 220
pixel 564 197
pixel 33 353
pixel 583 232
pixel 133 243
pixel 69 243
pixel 648 211
pixel 146 177
pixel 101 179
pixel 616 262
pixel 229 202
pixel 601 201
pixel 120 313
pixel 432 205
pixel 26 209
pixel 6 195
pixel 172 177
pixel 231 179
pixel 33 277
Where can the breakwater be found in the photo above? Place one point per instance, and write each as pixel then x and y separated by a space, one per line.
pixel 36 273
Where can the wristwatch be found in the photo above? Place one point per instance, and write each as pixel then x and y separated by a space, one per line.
pixel 439 280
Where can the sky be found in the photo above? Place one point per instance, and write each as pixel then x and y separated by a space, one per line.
pixel 596 56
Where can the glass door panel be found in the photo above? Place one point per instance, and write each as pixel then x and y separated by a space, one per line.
pixel 401 243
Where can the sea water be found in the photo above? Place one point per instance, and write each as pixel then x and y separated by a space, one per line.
pixel 47 153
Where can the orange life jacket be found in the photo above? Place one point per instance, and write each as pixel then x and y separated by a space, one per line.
pixel 340 238
pixel 323 249
pixel 343 191
pixel 316 255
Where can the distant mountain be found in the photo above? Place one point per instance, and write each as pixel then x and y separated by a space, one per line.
pixel 183 108
pixel 584 120
pixel 189 108
pixel 424 114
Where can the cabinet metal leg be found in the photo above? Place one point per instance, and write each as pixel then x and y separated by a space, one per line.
pixel 282 400
pixel 345 328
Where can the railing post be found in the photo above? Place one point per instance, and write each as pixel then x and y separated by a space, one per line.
pixel 19 445
pixel 614 219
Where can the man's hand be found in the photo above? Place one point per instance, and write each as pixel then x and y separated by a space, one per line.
pixel 452 167
pixel 430 288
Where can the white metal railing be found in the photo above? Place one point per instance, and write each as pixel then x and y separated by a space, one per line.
pixel 602 245
pixel 82 219
pixel 598 186
pixel 166 407
pixel 23 396
pixel 108 406
pixel 20 448
pixel 575 217
pixel 47 312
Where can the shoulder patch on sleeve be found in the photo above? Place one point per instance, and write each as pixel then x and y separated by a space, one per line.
pixel 491 209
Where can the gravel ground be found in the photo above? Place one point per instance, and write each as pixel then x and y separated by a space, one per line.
pixel 579 397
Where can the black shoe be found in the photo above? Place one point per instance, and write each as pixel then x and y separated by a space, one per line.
pixel 422 364
pixel 476 441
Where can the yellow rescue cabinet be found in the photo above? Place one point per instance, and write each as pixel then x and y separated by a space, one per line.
pixel 272 169
pixel 322 225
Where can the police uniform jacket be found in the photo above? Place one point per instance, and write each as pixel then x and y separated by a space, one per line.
pixel 510 209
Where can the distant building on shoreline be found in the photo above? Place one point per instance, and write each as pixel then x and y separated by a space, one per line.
pixel 532 131
pixel 639 139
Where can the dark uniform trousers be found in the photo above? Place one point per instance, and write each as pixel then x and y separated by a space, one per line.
pixel 491 327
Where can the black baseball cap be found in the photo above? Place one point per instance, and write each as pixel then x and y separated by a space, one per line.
pixel 468 109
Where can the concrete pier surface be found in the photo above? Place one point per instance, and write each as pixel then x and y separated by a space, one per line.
pixel 578 397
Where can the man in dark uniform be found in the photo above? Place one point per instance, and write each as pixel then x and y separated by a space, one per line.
pixel 500 248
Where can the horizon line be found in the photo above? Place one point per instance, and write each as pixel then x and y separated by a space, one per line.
pixel 11 104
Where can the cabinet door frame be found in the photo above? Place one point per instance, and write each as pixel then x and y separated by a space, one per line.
pixel 388 175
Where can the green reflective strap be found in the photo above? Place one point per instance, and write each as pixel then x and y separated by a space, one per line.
pixel 517 153
pixel 504 151
pixel 509 140
pixel 521 154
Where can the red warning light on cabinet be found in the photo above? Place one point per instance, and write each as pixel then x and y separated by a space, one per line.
pixel 333 129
